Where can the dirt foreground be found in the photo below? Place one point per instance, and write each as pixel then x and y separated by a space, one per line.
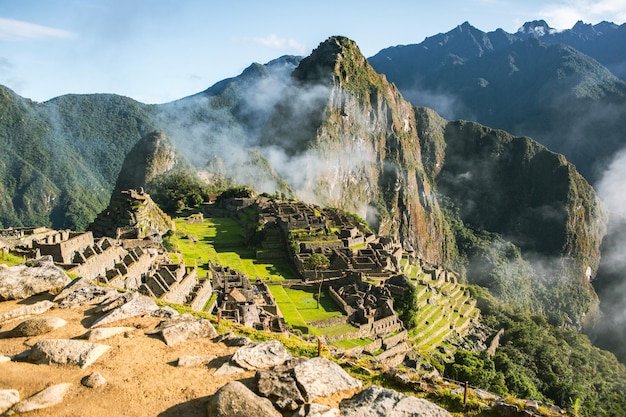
pixel 141 371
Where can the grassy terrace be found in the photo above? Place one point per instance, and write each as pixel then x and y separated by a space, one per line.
pixel 218 240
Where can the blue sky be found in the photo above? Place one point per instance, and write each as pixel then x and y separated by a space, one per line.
pixel 160 50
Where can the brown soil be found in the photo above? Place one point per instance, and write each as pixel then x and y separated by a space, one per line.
pixel 140 370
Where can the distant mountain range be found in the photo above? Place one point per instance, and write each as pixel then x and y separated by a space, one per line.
pixel 564 89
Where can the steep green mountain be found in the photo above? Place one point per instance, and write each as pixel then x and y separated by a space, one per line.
pixel 60 159
pixel 552 92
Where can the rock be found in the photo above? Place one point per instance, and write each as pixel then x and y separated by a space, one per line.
pixel 261 355
pixel 102 333
pixel 8 397
pixel 27 310
pixel 228 369
pixel 5 359
pixel 236 400
pixel 166 312
pixel 136 305
pixel 230 339
pixel 319 377
pixel 316 410
pixel 33 277
pixel 93 380
pixel 189 361
pixel 43 399
pixel 119 300
pixel 280 387
pixel 36 327
pixel 82 292
pixel 64 351
pixel 376 401
pixel 182 328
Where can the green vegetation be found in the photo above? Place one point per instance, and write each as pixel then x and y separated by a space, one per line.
pixel 10 259
pixel 538 360
pixel 178 191
pixel 219 240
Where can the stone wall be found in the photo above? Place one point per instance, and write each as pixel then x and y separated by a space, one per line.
pixel 202 295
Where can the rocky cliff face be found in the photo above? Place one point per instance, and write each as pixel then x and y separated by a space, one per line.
pixel 358 142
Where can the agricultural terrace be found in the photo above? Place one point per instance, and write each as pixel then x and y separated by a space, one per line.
pixel 219 240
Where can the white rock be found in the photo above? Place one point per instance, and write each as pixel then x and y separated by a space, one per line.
pixel 319 377
pixel 33 277
pixel 37 326
pixel 27 310
pixel 137 306
pixel 261 355
pixel 8 397
pixel 43 399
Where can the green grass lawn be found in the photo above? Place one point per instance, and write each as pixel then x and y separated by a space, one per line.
pixel 10 259
pixel 219 241
pixel 299 307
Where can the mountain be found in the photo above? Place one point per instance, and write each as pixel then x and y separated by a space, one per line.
pixel 61 158
pixel 528 83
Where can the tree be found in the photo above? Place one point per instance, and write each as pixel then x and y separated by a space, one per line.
pixel 316 262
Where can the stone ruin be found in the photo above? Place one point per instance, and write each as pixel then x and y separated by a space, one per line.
pixel 131 214
pixel 241 301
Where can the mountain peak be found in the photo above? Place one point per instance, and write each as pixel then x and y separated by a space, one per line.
pixel 536 28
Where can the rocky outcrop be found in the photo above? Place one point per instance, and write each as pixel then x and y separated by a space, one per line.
pixel 33 277
pixel 8 397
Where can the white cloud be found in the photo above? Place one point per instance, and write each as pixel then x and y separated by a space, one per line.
pixel 565 13
pixel 11 29
pixel 275 42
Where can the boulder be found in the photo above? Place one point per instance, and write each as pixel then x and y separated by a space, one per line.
pixel 33 277
pixel 133 306
pixel 8 397
pixel 230 339
pixel 280 387
pixel 236 400
pixel 43 399
pixel 36 327
pixel 261 355
pixel 102 333
pixel 166 312
pixel 319 377
pixel 27 310
pixel 182 328
pixel 65 351
pixel 376 401
pixel 93 380
pixel 316 410
pixel 228 369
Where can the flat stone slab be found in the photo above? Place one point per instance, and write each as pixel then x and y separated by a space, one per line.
pixel 33 277
pixel 43 399
pixel 27 310
pixel 102 333
pixel 36 327
pixel 136 306
pixel 8 397
pixel 319 377
pixel 262 355
pixel 380 402
pixel 65 351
